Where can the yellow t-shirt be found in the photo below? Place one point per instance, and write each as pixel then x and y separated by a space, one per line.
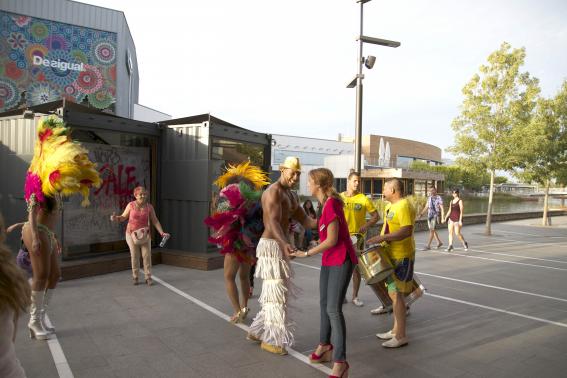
pixel 396 216
pixel 355 210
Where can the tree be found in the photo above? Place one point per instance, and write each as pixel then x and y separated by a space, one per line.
pixel 497 101
pixel 544 149
pixel 455 176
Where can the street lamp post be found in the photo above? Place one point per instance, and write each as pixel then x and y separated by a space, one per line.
pixel 357 82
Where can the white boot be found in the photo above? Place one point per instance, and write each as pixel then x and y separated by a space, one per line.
pixel 36 328
pixel 46 300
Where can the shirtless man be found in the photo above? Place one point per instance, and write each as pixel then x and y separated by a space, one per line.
pixel 271 326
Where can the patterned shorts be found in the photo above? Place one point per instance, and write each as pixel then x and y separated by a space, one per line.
pixel 401 280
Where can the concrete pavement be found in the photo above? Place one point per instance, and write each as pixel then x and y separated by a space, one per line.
pixel 498 310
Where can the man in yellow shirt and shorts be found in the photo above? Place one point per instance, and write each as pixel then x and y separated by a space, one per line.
pixel 399 218
pixel 356 206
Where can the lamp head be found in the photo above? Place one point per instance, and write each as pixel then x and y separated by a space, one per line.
pixel 369 62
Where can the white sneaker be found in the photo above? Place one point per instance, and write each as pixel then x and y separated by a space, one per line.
pixel 381 310
pixel 385 336
pixel 357 302
pixel 395 343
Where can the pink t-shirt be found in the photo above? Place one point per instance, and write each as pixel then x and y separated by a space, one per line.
pixel 138 218
pixel 336 255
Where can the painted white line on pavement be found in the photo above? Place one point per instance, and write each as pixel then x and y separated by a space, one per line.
pixel 507 240
pixel 502 261
pixel 493 287
pixel 559 324
pixel 520 256
pixel 470 303
pixel 63 368
pixel 511 243
pixel 244 327
pixel 525 233
pixel 515 244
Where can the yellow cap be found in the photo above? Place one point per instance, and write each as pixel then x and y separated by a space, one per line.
pixel 291 162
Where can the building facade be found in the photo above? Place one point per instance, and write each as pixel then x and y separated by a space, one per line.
pixel 390 152
pixel 383 157
pixel 55 49
pixel 310 151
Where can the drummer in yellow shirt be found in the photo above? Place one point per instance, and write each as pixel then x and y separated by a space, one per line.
pixel 356 205
pixel 397 231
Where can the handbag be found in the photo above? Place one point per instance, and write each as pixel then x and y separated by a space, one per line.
pixel 23 259
pixel 141 236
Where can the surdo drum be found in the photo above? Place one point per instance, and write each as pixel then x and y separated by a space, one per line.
pixel 375 267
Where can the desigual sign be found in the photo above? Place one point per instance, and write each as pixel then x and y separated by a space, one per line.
pixel 61 65
pixel 43 61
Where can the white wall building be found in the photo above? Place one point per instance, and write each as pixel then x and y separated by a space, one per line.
pixel 310 151
pixel 147 114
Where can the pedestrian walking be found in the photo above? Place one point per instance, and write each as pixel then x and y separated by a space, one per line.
pixel 454 219
pixel 435 213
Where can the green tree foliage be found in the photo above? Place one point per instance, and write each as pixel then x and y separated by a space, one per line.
pixel 459 177
pixel 497 100
pixel 543 151
pixel 500 180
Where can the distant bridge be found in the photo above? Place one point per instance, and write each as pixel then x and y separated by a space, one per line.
pixel 554 194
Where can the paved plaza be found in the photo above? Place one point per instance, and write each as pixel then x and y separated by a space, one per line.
pixel 498 310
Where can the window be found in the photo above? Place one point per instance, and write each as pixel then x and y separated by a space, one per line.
pixel 367 186
pixel 377 188
pixel 341 184
pixel 235 152
pixel 306 158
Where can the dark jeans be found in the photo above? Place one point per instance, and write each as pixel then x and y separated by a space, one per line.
pixel 333 284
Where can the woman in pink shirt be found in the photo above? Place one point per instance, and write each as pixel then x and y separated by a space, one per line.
pixel 139 214
pixel 338 261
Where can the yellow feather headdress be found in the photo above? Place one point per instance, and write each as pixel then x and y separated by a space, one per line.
pixel 59 165
pixel 245 171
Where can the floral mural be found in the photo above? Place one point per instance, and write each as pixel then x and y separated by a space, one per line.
pixel 43 61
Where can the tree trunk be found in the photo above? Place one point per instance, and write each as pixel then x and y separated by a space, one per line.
pixel 545 220
pixel 487 230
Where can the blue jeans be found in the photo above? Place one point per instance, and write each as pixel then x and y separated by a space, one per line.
pixel 333 284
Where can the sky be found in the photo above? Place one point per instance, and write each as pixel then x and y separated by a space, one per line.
pixel 281 67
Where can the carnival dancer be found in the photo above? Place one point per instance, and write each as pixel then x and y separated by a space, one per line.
pixel 338 262
pixel 273 326
pixel 357 205
pixel 60 167
pixel 237 224
pixel 397 231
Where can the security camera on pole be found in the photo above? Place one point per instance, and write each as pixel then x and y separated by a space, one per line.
pixel 357 82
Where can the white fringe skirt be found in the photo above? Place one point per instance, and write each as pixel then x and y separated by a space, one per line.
pixel 273 324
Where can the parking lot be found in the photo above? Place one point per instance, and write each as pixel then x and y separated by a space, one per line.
pixel 498 310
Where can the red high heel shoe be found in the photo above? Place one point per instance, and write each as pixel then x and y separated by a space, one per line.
pixel 323 357
pixel 345 372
